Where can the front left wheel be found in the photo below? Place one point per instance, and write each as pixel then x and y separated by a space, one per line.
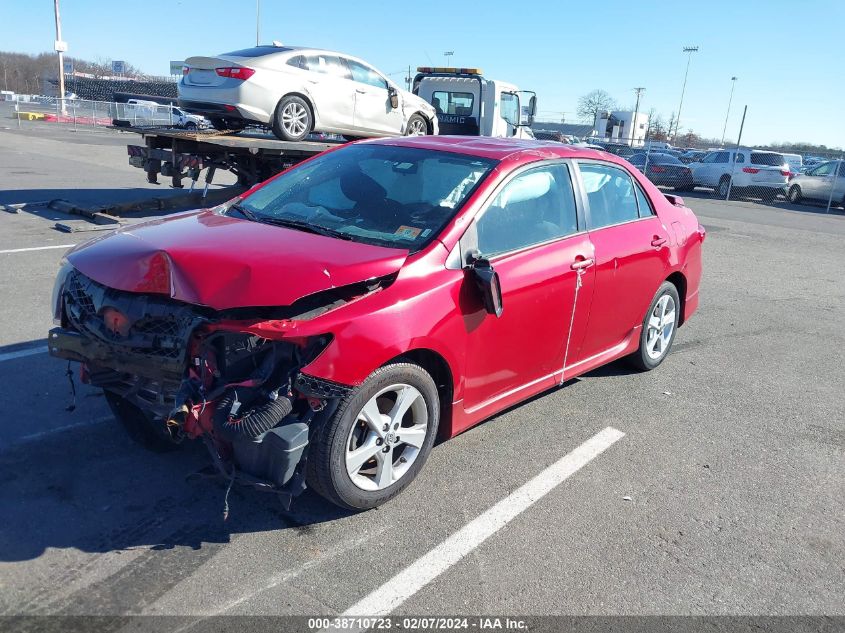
pixel 378 439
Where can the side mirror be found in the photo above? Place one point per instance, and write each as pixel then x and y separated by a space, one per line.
pixel 488 284
pixel 394 97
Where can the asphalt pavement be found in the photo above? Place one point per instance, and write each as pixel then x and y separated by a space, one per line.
pixel 723 496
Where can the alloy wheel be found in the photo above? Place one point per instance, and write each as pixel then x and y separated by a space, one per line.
pixel 294 118
pixel 661 325
pixel 387 437
pixel 417 127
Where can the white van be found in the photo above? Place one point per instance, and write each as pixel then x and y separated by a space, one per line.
pixel 795 162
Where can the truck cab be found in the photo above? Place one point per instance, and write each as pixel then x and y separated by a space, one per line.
pixel 468 104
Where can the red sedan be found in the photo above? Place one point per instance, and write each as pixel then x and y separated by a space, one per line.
pixel 324 327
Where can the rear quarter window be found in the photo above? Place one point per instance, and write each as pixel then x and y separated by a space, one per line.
pixel 766 159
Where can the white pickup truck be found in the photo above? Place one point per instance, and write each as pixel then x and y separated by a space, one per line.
pixel 468 104
pixel 140 112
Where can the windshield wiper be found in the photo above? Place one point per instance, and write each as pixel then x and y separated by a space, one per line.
pixel 249 215
pixel 304 226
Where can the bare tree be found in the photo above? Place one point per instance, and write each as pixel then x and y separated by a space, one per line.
pixel 594 103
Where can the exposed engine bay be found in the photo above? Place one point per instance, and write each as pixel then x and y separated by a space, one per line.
pixel 191 372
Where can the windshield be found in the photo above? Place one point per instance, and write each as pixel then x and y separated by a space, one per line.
pixel 399 197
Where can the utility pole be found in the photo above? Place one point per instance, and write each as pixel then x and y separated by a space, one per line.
pixel 257 22
pixel 725 129
pixel 408 79
pixel 689 50
pixel 733 162
pixel 448 55
pixel 639 91
pixel 60 49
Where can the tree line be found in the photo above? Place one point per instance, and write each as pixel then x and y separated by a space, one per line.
pixel 25 74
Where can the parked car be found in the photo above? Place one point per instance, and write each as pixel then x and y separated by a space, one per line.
pixel 819 184
pixel 752 171
pixel 296 91
pixel 692 156
pixel 664 170
pixel 361 303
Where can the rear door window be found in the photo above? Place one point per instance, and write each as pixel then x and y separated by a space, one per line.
pixel 721 157
pixel 328 65
pixel 610 193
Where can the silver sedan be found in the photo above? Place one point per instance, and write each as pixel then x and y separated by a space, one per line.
pixel 296 91
pixel 821 183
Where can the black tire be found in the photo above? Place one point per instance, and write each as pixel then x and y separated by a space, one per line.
pixel 190 125
pixel 794 194
pixel 299 105
pixel 142 428
pixel 641 359
pixel 414 122
pixel 724 187
pixel 326 470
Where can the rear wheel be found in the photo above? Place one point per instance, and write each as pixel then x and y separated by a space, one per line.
pixel 141 426
pixel 378 439
pixel 293 120
pixel 417 126
pixel 794 194
pixel 659 326
pixel 724 187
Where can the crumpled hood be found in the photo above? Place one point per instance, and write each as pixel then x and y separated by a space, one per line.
pixel 223 262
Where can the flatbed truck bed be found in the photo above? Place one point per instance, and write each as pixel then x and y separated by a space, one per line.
pixel 252 156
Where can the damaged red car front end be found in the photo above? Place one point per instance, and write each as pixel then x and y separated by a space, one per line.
pixel 156 315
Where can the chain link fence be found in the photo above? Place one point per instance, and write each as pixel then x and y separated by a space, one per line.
pixel 83 113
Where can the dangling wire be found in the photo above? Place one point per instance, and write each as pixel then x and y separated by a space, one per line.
pixel 69 374
pixel 571 323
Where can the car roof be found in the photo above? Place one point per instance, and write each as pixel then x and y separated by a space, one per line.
pixel 495 148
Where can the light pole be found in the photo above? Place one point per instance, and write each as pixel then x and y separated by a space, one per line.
pixel 447 55
pixel 257 22
pixel 639 91
pixel 60 48
pixel 689 50
pixel 724 129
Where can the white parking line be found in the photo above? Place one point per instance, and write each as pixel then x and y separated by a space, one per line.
pixel 26 439
pixel 418 574
pixel 23 352
pixel 36 248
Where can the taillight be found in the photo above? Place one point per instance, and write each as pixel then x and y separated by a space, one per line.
pixel 750 170
pixel 786 173
pixel 657 169
pixel 239 72
pixel 185 70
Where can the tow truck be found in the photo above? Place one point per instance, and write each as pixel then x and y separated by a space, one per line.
pixel 252 156
pixel 468 104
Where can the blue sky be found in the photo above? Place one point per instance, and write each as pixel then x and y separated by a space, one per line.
pixel 787 54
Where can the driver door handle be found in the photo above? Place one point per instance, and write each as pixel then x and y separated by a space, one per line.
pixel 658 241
pixel 582 263
pixel 360 91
